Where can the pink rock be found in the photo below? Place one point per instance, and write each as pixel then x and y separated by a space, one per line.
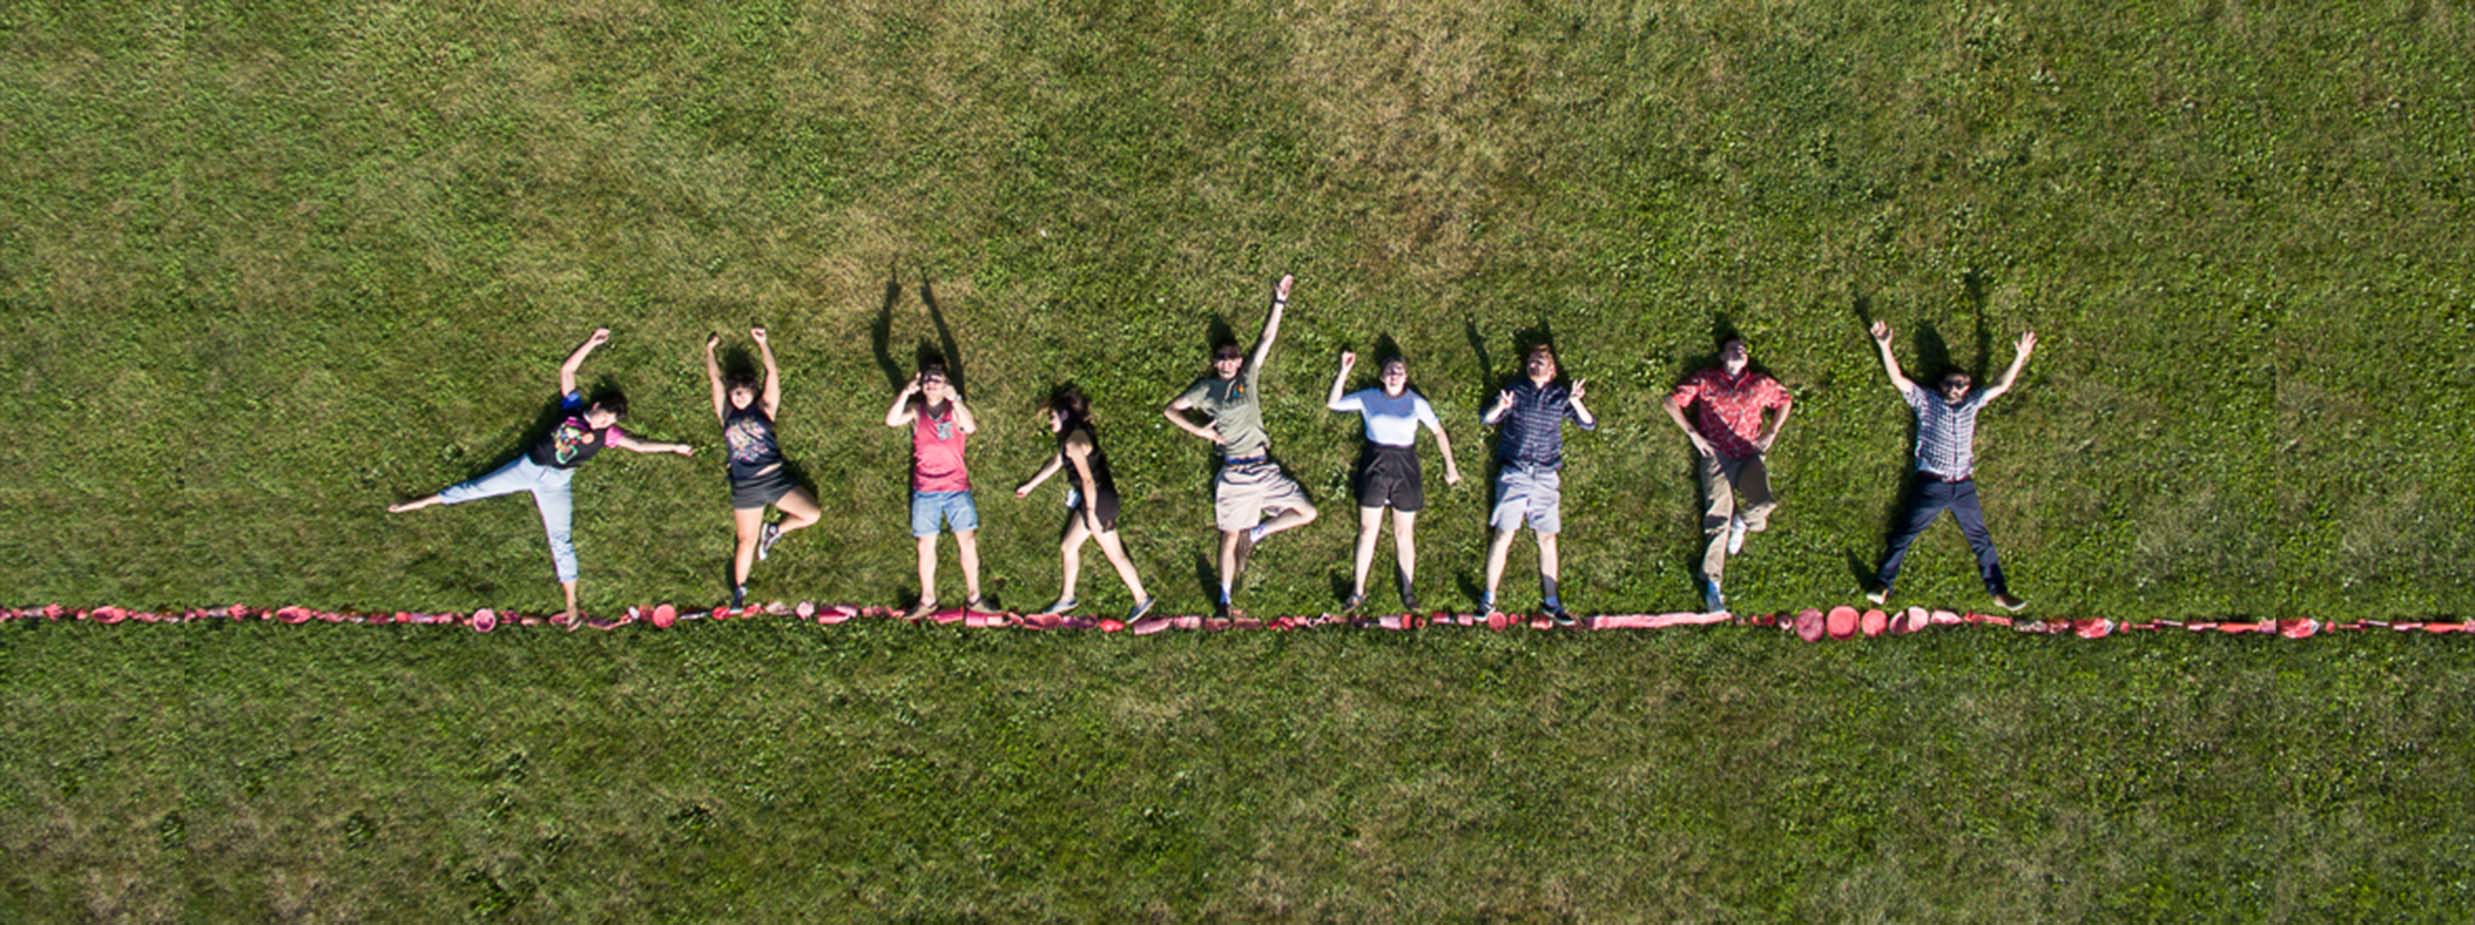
pixel 1841 621
pixel 484 620
pixel 1112 625
pixel 805 609
pixel 2092 628
pixel 1873 622
pixel 2298 629
pixel 1812 625
pixel 665 616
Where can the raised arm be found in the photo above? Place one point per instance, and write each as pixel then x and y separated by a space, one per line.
pixel 1495 412
pixel 1581 413
pixel 2019 361
pixel 713 378
pixel 962 415
pixel 1890 363
pixel 902 413
pixel 1333 400
pixel 575 361
pixel 773 373
pixel 1271 324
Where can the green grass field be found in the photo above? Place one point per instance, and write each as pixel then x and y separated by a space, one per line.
pixel 264 270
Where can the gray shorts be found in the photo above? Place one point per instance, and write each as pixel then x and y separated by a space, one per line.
pixel 1247 493
pixel 1534 495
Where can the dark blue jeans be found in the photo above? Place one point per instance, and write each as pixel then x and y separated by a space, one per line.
pixel 1927 497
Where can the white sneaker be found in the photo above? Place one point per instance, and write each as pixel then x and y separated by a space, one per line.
pixel 1735 535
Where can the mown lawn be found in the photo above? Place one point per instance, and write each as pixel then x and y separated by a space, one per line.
pixel 266 269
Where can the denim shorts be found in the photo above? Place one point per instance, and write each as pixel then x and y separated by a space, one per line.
pixel 953 509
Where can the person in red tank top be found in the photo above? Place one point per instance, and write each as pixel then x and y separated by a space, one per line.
pixel 940 484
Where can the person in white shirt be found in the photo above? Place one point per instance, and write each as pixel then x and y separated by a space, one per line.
pixel 1387 474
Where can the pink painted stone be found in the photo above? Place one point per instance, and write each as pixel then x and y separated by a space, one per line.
pixel 1873 622
pixel 1841 621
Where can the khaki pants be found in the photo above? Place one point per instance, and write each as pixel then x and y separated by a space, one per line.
pixel 1732 488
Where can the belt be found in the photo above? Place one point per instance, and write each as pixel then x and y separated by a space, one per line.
pixel 1944 479
pixel 1245 460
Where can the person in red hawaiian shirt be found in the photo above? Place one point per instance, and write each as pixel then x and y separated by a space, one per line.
pixel 1730 439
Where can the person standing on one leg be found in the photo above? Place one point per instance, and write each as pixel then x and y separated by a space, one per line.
pixel 1250 487
pixel 757 477
pixel 1091 502
pixel 940 484
pixel 546 468
pixel 1946 432
pixel 1388 474
pixel 1529 463
pixel 1731 447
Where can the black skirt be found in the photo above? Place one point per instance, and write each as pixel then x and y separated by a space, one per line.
pixel 761 489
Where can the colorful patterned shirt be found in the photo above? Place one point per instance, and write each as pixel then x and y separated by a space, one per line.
pixel 1727 411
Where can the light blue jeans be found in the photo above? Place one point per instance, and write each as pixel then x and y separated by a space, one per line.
pixel 548 484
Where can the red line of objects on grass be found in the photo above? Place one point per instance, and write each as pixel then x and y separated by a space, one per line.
pixel 1811 624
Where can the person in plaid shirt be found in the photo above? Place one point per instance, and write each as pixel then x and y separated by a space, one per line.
pixel 1730 439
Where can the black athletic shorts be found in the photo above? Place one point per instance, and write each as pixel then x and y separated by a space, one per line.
pixel 1388 477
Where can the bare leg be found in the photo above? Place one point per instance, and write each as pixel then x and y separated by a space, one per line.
pixel 1497 549
pixel 572 620
pixel 799 511
pixel 1548 566
pixel 928 569
pixel 747 522
pixel 1228 562
pixel 1404 547
pixel 1370 522
pixel 967 548
pixel 1290 519
pixel 1071 548
pixel 1116 551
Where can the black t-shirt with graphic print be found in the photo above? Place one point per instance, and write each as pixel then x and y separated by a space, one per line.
pixel 573 441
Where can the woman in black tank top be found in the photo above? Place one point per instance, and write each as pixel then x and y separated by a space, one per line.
pixel 757 475
pixel 1091 499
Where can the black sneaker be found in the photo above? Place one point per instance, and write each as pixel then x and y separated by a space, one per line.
pixel 764 544
pixel 2006 601
pixel 1562 617
pixel 1409 599
pixel 1354 602
pixel 738 596
pixel 1141 610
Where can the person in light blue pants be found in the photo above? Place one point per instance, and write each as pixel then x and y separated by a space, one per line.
pixel 547 466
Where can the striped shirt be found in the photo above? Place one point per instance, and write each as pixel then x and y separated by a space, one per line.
pixel 1946 434
pixel 1533 436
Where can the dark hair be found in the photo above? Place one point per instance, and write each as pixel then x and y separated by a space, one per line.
pixel 614 403
pixel 1542 347
pixel 937 369
pixel 1070 401
pixel 738 381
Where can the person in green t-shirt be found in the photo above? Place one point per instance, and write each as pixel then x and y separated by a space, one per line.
pixel 1250 486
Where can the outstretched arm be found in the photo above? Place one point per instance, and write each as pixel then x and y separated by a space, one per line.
pixel 1056 461
pixel 902 413
pixel 1890 363
pixel 623 441
pixel 1581 412
pixel 1333 400
pixel 2027 344
pixel 1271 324
pixel 773 373
pixel 575 361
pixel 713 378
